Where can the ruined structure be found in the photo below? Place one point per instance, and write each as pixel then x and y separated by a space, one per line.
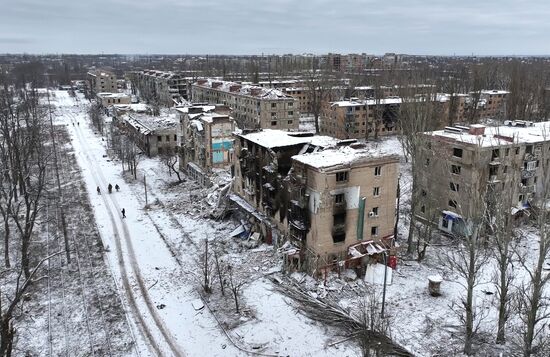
pixel 322 194
pixel 205 135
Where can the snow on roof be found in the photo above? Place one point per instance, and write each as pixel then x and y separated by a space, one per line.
pixel 277 138
pixel 148 123
pixel 500 135
pixel 135 107
pixel 112 95
pixel 245 89
pixel 204 108
pixel 485 91
pixel 210 117
pixel 342 156
pixel 352 103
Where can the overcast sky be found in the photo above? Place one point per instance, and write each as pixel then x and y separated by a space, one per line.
pixel 482 27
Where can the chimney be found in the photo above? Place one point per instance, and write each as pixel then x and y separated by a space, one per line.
pixel 476 129
pixel 201 81
pixel 216 84
pixel 255 91
pixel 235 88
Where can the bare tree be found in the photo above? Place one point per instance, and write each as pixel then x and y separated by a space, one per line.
pixel 417 115
pixel 533 298
pixel 24 129
pixel 235 285
pixel 320 87
pixel 500 225
pixel 170 159
pixel 7 331
pixel 220 269
pixel 206 267
pixel 95 112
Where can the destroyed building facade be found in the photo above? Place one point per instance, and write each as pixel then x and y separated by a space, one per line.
pixel 205 134
pixel 102 81
pixel 253 107
pixel 324 195
pixel 165 87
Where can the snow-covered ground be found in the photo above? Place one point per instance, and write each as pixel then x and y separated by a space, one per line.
pixel 152 254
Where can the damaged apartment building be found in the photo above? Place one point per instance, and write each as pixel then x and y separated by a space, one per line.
pixel 470 170
pixel 205 136
pixel 165 87
pixel 357 119
pixel 253 107
pixel 322 194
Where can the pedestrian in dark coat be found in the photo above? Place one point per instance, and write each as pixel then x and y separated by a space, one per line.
pixel 123 213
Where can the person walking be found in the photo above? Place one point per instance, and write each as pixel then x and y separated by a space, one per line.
pixel 116 187
pixel 123 213
pixel 98 190
pixel 110 188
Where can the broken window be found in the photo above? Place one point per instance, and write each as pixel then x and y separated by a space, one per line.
pixel 378 171
pixel 339 219
pixel 339 237
pixel 339 198
pixel 341 176
pixel 529 149
pixel 375 211
pixel 376 192
pixel 374 231
pixel 454 186
pixel 159 138
pixel 453 204
pixel 457 152
pixel 455 169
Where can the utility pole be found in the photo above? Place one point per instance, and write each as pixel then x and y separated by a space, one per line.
pixel 145 186
pixel 384 289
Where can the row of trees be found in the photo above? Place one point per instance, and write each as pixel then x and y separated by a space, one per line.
pixel 25 159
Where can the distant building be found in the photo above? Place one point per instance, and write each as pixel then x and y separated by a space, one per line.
pixel 107 99
pixel 102 81
pixel 356 119
pixel 168 88
pixel 346 63
pixel 155 135
pixel 253 107
pixel 323 194
pixel 205 140
pixel 464 164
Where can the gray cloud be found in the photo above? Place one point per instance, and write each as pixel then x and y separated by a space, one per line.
pixel 270 26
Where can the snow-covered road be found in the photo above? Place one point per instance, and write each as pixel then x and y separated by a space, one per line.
pixel 149 277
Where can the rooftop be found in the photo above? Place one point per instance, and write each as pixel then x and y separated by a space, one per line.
pixel 513 133
pixel 352 103
pixel 277 138
pixel 112 95
pixel 245 89
pixel 147 124
pixel 343 156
